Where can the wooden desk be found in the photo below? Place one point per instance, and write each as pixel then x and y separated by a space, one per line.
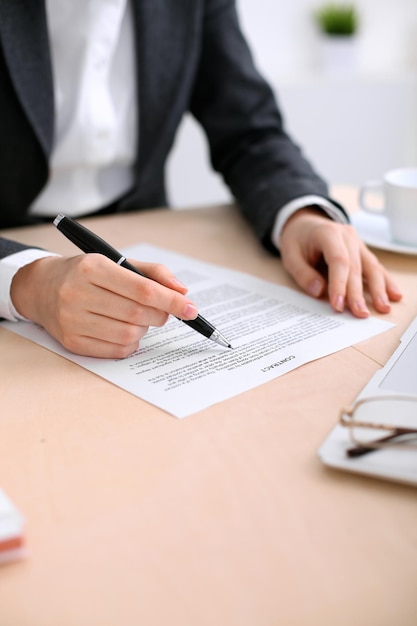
pixel 225 518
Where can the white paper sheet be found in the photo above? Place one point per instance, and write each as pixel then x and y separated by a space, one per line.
pixel 272 329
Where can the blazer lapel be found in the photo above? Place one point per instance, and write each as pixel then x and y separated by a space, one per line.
pixel 24 36
pixel 164 36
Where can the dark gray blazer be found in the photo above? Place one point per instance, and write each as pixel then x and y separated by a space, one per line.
pixel 191 56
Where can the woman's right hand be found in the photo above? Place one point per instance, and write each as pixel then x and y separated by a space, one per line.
pixel 95 307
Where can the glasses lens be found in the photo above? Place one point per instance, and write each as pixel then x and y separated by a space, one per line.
pixel 385 422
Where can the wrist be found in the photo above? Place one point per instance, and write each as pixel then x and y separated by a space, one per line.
pixel 26 290
pixel 303 216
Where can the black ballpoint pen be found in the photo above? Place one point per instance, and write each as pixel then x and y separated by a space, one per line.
pixel 87 241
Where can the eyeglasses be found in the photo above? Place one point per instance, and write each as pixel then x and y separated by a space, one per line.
pixel 381 422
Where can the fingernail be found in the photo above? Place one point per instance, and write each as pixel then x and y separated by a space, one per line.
pixel 339 304
pixel 361 307
pixel 190 312
pixel 315 288
pixel 179 283
pixel 383 300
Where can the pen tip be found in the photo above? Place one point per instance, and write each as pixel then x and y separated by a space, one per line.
pixel 229 346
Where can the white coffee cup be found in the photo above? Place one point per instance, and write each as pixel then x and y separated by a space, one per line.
pixel 399 202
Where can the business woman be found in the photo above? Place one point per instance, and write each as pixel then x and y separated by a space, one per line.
pixel 91 96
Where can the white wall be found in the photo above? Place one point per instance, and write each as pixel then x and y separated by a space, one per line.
pixel 353 127
pixel 284 37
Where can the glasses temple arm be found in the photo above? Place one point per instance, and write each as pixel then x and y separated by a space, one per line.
pixel 362 450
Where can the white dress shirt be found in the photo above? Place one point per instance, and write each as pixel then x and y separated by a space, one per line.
pixel 95 135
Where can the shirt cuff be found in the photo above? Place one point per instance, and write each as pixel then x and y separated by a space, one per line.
pixel 9 266
pixel 290 208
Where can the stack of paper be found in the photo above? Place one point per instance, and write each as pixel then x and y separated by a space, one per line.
pixel 11 531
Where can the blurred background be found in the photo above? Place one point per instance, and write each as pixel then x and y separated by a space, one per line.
pixel 354 116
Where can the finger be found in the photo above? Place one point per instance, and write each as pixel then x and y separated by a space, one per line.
pixel 393 290
pixel 302 271
pixel 108 275
pixel 355 297
pixel 381 285
pixel 108 304
pixel 96 335
pixel 161 274
pixel 88 346
pixel 343 257
pixel 337 260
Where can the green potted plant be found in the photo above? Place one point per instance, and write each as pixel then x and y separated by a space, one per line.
pixel 338 25
pixel 337 20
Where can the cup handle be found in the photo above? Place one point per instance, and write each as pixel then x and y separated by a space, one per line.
pixel 371 186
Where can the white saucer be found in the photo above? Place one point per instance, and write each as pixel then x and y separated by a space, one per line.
pixel 374 230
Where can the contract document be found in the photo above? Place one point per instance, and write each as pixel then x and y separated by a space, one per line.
pixel 272 329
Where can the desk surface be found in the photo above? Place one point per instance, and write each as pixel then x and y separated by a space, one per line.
pixel 224 518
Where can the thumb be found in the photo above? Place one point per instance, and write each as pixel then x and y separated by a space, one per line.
pixel 304 274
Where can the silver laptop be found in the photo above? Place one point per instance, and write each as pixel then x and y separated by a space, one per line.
pixel 399 375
